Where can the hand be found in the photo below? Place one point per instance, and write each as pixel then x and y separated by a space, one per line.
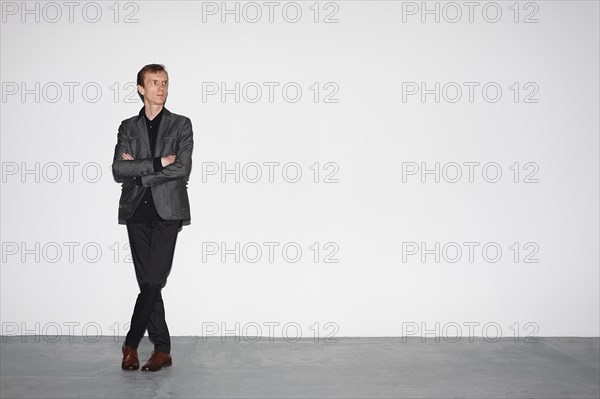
pixel 167 160
pixel 126 157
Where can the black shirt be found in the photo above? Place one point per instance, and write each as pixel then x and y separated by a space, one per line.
pixel 146 210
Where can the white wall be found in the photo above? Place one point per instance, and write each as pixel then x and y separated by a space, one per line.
pixel 365 136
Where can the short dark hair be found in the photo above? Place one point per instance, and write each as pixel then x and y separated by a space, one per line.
pixel 152 68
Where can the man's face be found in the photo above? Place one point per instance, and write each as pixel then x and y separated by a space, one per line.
pixel 156 88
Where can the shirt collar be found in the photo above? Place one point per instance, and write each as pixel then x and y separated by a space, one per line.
pixel 157 118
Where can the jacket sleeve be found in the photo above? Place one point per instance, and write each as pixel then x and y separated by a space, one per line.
pixel 181 168
pixel 128 169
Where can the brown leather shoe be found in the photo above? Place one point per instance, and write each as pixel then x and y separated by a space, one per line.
pixel 130 358
pixel 157 361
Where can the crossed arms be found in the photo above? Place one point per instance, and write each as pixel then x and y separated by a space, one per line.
pixel 152 171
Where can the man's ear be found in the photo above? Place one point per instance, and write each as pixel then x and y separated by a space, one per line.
pixel 140 89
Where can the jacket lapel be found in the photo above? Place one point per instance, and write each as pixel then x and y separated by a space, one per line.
pixel 162 129
pixel 145 142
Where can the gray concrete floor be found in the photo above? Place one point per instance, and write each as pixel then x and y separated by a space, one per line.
pixel 350 368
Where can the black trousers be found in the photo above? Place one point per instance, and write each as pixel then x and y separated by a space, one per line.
pixel 152 249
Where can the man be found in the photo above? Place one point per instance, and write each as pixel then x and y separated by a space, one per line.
pixel 152 160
